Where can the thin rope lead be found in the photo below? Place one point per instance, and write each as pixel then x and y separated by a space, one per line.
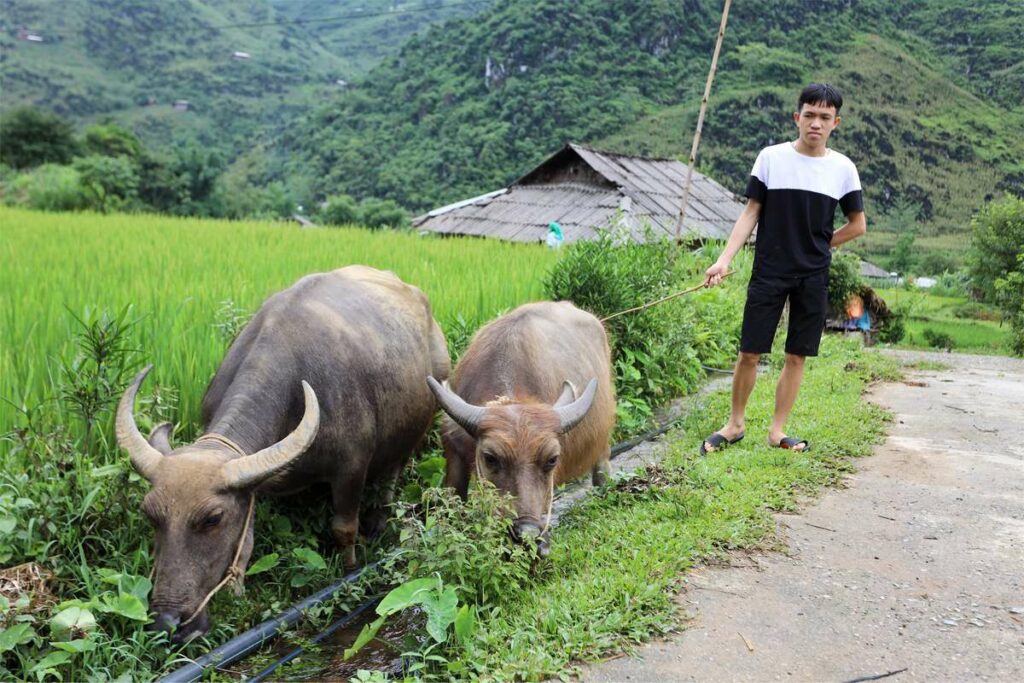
pixel 661 300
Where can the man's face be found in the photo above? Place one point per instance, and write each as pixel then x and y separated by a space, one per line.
pixel 816 123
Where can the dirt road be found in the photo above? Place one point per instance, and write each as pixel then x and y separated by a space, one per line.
pixel 917 566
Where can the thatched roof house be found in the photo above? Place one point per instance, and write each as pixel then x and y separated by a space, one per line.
pixel 582 190
pixel 871 271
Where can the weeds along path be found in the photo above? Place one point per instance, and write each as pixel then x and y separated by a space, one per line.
pixel 645 453
pixel 915 567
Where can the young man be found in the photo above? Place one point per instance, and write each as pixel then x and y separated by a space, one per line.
pixel 792 193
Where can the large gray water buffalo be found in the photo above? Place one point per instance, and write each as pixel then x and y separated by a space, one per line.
pixel 514 414
pixel 325 384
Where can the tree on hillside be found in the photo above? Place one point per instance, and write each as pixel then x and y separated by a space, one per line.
pixel 997 238
pixel 340 210
pixel 903 257
pixel 112 140
pixel 109 183
pixel 30 137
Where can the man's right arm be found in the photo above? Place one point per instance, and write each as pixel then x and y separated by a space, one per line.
pixel 741 232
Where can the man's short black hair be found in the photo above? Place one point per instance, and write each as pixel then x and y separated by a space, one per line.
pixel 820 93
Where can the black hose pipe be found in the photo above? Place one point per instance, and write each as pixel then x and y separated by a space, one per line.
pixel 246 643
pixel 340 623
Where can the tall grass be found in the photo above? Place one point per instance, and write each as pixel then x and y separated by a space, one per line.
pixel 177 273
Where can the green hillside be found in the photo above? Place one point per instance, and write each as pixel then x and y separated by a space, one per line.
pixel 916 136
pixel 131 60
pixel 932 116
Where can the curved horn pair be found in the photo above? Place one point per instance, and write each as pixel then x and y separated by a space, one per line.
pixel 468 416
pixel 240 473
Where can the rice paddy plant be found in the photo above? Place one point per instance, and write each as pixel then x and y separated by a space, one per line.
pixel 192 282
pixel 84 301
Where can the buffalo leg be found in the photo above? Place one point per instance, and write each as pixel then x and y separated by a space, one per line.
pixel 375 518
pixel 602 468
pixel 346 494
pixel 456 475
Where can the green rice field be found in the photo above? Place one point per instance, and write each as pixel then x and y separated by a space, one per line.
pixel 967 326
pixel 183 277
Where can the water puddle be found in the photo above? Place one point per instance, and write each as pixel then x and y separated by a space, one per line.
pixel 400 633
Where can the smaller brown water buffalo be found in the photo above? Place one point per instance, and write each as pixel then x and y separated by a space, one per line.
pixel 514 415
pixel 360 337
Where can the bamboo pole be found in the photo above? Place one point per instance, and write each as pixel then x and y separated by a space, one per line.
pixel 700 121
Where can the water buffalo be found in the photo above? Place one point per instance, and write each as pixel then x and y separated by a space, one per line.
pixel 363 340
pixel 514 415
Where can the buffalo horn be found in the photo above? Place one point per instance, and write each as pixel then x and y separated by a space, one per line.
pixel 571 414
pixel 145 458
pixel 248 471
pixel 465 415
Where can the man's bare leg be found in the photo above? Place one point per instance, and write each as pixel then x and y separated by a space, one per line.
pixel 785 396
pixel 743 379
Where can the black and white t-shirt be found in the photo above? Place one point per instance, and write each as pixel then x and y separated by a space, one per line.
pixel 799 195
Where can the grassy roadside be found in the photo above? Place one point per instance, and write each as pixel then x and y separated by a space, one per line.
pixel 617 558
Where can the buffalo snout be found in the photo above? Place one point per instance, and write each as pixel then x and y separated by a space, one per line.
pixel 170 622
pixel 524 529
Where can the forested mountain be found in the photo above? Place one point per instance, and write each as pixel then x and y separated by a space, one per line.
pixel 132 59
pixel 933 115
pixel 933 90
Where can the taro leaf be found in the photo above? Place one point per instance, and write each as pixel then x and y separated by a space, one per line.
pixel 16 635
pixel 47 664
pixel 440 611
pixel 76 646
pixel 263 564
pixel 410 593
pixel 310 558
pixel 465 623
pixel 139 586
pixel 70 622
pixel 7 524
pixel 365 636
pixel 125 605
pixel 300 580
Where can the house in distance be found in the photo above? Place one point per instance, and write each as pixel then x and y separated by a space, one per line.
pixel 585 190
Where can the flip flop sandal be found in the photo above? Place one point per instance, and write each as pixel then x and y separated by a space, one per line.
pixel 718 441
pixel 791 442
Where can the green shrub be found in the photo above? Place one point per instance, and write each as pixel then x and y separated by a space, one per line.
pixel 383 213
pixel 935 263
pixel 1010 294
pixel 108 183
pixel 843 282
pixel 997 233
pixel 954 284
pixel 340 210
pixel 657 352
pixel 939 340
pixel 973 310
pixel 32 137
pixel 894 328
pixel 50 187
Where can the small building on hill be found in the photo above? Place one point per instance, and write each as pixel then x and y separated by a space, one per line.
pixel 876 275
pixel 584 190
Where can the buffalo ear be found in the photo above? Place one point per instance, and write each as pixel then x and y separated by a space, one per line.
pixel 567 396
pixel 160 437
pixel 572 414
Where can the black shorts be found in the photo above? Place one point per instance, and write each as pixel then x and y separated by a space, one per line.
pixel 808 304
